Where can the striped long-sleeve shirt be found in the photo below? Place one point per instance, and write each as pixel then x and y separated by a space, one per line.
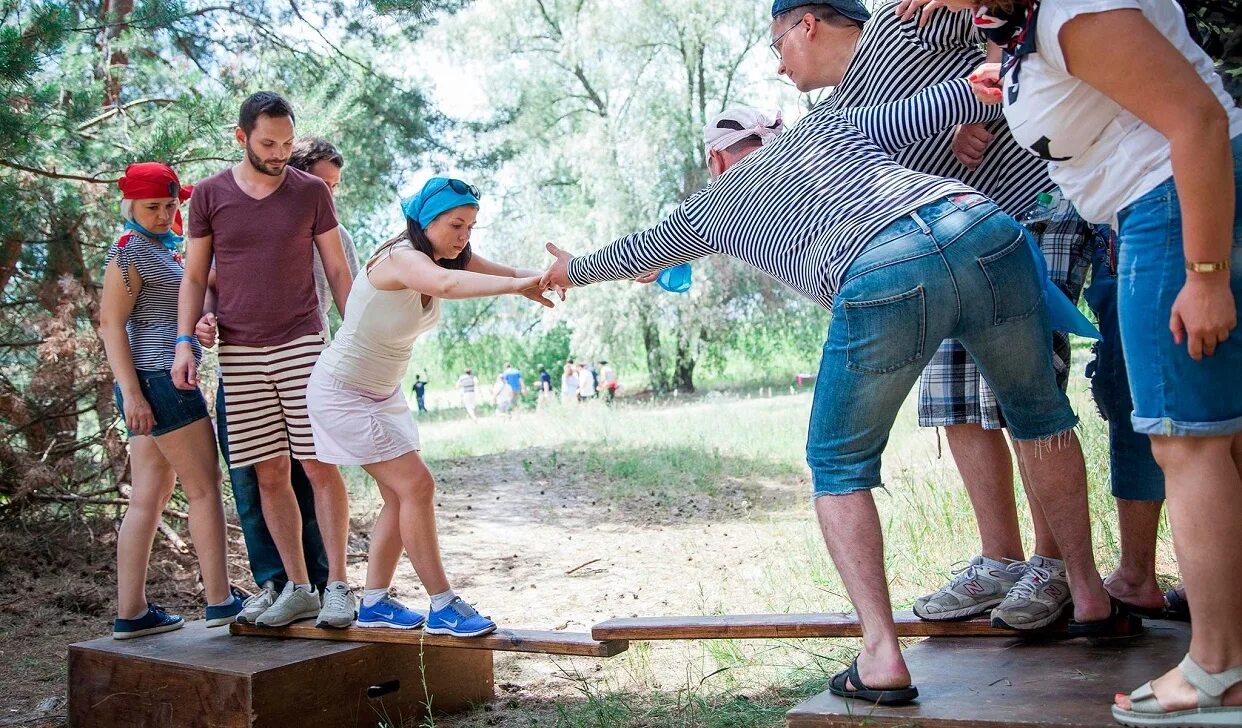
pixel 895 60
pixel 802 208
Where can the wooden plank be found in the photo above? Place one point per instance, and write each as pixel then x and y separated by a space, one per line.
pixel 197 676
pixel 783 626
pixel 502 640
pixel 972 683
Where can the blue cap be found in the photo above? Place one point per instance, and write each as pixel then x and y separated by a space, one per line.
pixel 852 9
pixel 438 195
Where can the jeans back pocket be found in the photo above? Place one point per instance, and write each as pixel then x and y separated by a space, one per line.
pixel 1014 282
pixel 885 334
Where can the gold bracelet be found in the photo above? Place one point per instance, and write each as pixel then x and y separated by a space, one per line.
pixel 1208 267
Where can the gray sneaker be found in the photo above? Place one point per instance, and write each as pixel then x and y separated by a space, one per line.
pixel 974 589
pixel 338 606
pixel 292 604
pixel 256 604
pixel 1038 599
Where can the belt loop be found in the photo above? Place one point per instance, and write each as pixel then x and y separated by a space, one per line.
pixel 922 225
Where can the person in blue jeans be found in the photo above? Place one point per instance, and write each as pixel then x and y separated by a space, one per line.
pixel 1136 479
pixel 903 260
pixel 265 563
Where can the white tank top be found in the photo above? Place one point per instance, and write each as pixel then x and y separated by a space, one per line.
pixel 372 349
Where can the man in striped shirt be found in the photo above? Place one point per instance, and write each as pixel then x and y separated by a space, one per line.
pixel 903 260
pixel 887 58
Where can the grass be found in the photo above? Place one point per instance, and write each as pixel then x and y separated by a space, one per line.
pixel 736 446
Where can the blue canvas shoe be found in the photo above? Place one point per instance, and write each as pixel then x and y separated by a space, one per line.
pixel 225 613
pixel 388 613
pixel 458 619
pixel 156 620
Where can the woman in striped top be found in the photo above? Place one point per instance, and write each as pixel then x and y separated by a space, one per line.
pixel 903 260
pixel 170 436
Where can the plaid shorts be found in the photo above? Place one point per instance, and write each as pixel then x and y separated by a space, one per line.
pixel 951 392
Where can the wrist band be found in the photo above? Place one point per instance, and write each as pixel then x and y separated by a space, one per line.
pixel 183 339
pixel 1208 267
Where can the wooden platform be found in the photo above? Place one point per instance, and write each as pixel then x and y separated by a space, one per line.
pixel 196 676
pixel 776 626
pixel 502 640
pixel 1009 683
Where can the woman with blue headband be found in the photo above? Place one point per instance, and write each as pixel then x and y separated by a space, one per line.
pixel 359 415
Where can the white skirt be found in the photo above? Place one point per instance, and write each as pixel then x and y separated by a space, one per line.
pixel 352 426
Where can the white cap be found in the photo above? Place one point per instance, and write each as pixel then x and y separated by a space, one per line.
pixel 741 122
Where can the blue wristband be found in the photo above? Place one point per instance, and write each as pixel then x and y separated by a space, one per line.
pixel 183 339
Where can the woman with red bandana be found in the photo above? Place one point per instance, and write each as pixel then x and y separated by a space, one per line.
pixel 170 436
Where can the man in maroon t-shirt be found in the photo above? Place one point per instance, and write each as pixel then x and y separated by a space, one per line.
pixel 261 221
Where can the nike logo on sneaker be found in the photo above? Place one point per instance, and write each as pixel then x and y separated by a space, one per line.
pixel 452 623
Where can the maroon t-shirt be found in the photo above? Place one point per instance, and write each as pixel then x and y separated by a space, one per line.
pixel 265 282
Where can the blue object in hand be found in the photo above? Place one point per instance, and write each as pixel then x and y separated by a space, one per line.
pixel 675 279
pixel 1063 315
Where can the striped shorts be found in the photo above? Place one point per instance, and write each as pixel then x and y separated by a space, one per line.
pixel 265 399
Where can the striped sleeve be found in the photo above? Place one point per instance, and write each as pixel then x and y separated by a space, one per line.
pixel 120 252
pixel 669 243
pixel 898 124
pixel 945 31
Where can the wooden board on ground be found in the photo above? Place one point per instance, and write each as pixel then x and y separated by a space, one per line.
pixel 1011 683
pixel 778 626
pixel 198 676
pixel 502 640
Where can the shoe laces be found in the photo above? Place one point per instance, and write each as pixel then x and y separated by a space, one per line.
pixel 336 599
pixel 463 610
pixel 157 610
pixel 966 572
pixel 255 598
pixel 1030 581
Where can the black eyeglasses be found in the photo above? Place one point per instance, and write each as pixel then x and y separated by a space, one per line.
pixel 461 188
pixel 775 45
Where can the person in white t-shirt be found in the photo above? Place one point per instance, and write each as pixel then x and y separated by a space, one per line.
pixel 1138 131
pixel 569 383
pixel 466 384
pixel 586 382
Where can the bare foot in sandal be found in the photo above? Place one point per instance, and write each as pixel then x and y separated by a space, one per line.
pixel 1174 694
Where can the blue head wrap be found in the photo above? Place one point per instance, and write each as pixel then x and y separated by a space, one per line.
pixel 437 196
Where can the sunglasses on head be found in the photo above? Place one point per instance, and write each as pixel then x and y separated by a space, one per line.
pixel 461 188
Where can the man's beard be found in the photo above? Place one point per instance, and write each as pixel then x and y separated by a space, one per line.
pixel 259 166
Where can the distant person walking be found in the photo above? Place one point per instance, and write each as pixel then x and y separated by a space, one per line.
pixel 466 385
pixel 586 382
pixel 569 383
pixel 608 377
pixel 420 392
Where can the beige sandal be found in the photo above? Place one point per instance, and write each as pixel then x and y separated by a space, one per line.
pixel 1145 710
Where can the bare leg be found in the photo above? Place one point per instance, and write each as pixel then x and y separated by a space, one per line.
pixel 153 482
pixel 386 546
pixel 851 528
pixel 1045 544
pixel 1203 480
pixel 982 458
pixel 332 512
pixel 1134 580
pixel 191 452
pixel 407 477
pixel 1058 478
pixel 280 512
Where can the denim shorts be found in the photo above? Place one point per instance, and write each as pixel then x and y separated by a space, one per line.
pixel 958 268
pixel 173 408
pixel 1174 394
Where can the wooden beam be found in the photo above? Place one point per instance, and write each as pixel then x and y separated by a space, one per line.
pixel 779 626
pixel 502 640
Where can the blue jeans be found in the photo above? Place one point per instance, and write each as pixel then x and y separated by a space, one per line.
pixel 172 408
pixel 265 561
pixel 954 269
pixel 1174 394
pixel 1134 472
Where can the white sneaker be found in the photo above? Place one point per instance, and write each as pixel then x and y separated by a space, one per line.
pixel 1038 599
pixel 256 604
pixel 338 606
pixel 292 604
pixel 974 589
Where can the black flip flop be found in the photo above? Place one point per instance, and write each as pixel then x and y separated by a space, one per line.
pixel 1176 607
pixel 1120 623
pixel 1160 612
pixel 840 685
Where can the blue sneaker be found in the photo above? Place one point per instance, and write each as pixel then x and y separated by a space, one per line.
pixel 388 613
pixel 156 620
pixel 458 619
pixel 222 615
